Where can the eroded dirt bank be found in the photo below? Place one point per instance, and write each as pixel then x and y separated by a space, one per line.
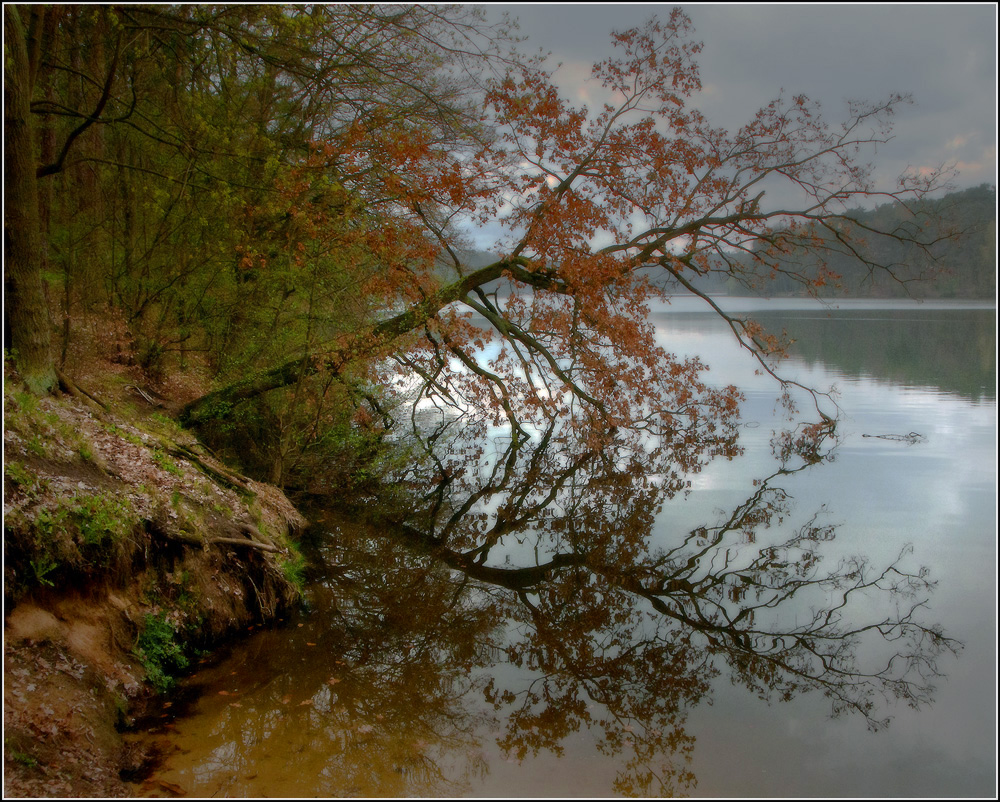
pixel 128 549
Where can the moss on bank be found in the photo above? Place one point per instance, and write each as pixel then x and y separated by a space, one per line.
pixel 128 548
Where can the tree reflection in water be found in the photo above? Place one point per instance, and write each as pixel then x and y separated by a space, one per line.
pixel 623 630
pixel 550 555
pixel 367 696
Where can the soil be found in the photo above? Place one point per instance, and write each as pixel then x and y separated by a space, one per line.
pixel 60 717
pixel 190 543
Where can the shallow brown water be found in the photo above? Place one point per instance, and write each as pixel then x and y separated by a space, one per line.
pixel 457 668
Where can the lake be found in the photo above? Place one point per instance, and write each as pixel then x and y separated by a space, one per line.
pixel 552 627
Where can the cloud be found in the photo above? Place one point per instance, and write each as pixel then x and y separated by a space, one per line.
pixel 945 55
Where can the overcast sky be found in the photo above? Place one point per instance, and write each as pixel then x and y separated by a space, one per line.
pixel 945 55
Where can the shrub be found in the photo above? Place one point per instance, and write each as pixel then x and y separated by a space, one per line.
pixel 159 652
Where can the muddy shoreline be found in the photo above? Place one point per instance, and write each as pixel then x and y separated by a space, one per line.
pixel 130 553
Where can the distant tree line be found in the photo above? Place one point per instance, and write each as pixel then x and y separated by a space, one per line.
pixel 960 262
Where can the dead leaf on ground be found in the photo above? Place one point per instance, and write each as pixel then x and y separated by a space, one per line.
pixel 173 788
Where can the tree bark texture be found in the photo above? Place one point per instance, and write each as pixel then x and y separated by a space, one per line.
pixel 26 318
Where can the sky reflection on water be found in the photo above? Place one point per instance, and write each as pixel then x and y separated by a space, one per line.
pixel 878 494
pixel 940 495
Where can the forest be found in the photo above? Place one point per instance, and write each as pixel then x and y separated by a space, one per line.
pixel 962 266
pixel 266 210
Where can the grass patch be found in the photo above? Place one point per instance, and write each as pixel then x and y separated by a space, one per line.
pixel 294 568
pixel 26 401
pixel 46 434
pixel 164 462
pixel 118 431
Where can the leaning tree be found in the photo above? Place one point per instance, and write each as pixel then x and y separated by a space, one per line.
pixel 289 191
pixel 604 210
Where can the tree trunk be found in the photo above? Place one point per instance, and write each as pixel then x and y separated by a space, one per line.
pixel 26 317
pixel 220 403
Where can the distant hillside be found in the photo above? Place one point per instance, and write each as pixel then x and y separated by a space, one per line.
pixel 966 265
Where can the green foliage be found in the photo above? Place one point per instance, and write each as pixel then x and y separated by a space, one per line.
pixel 46 434
pixel 95 522
pixel 185 597
pixel 165 425
pixel 118 431
pixel 164 462
pixel 52 522
pixel 23 415
pixel 27 402
pixel 75 536
pixel 294 568
pixel 102 519
pixel 360 457
pixel 24 477
pixel 318 436
pixel 234 249
pixel 18 756
pixel 45 565
pixel 159 651
pixel 35 547
pixel 16 473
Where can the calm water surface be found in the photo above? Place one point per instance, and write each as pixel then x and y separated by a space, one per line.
pixel 420 670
